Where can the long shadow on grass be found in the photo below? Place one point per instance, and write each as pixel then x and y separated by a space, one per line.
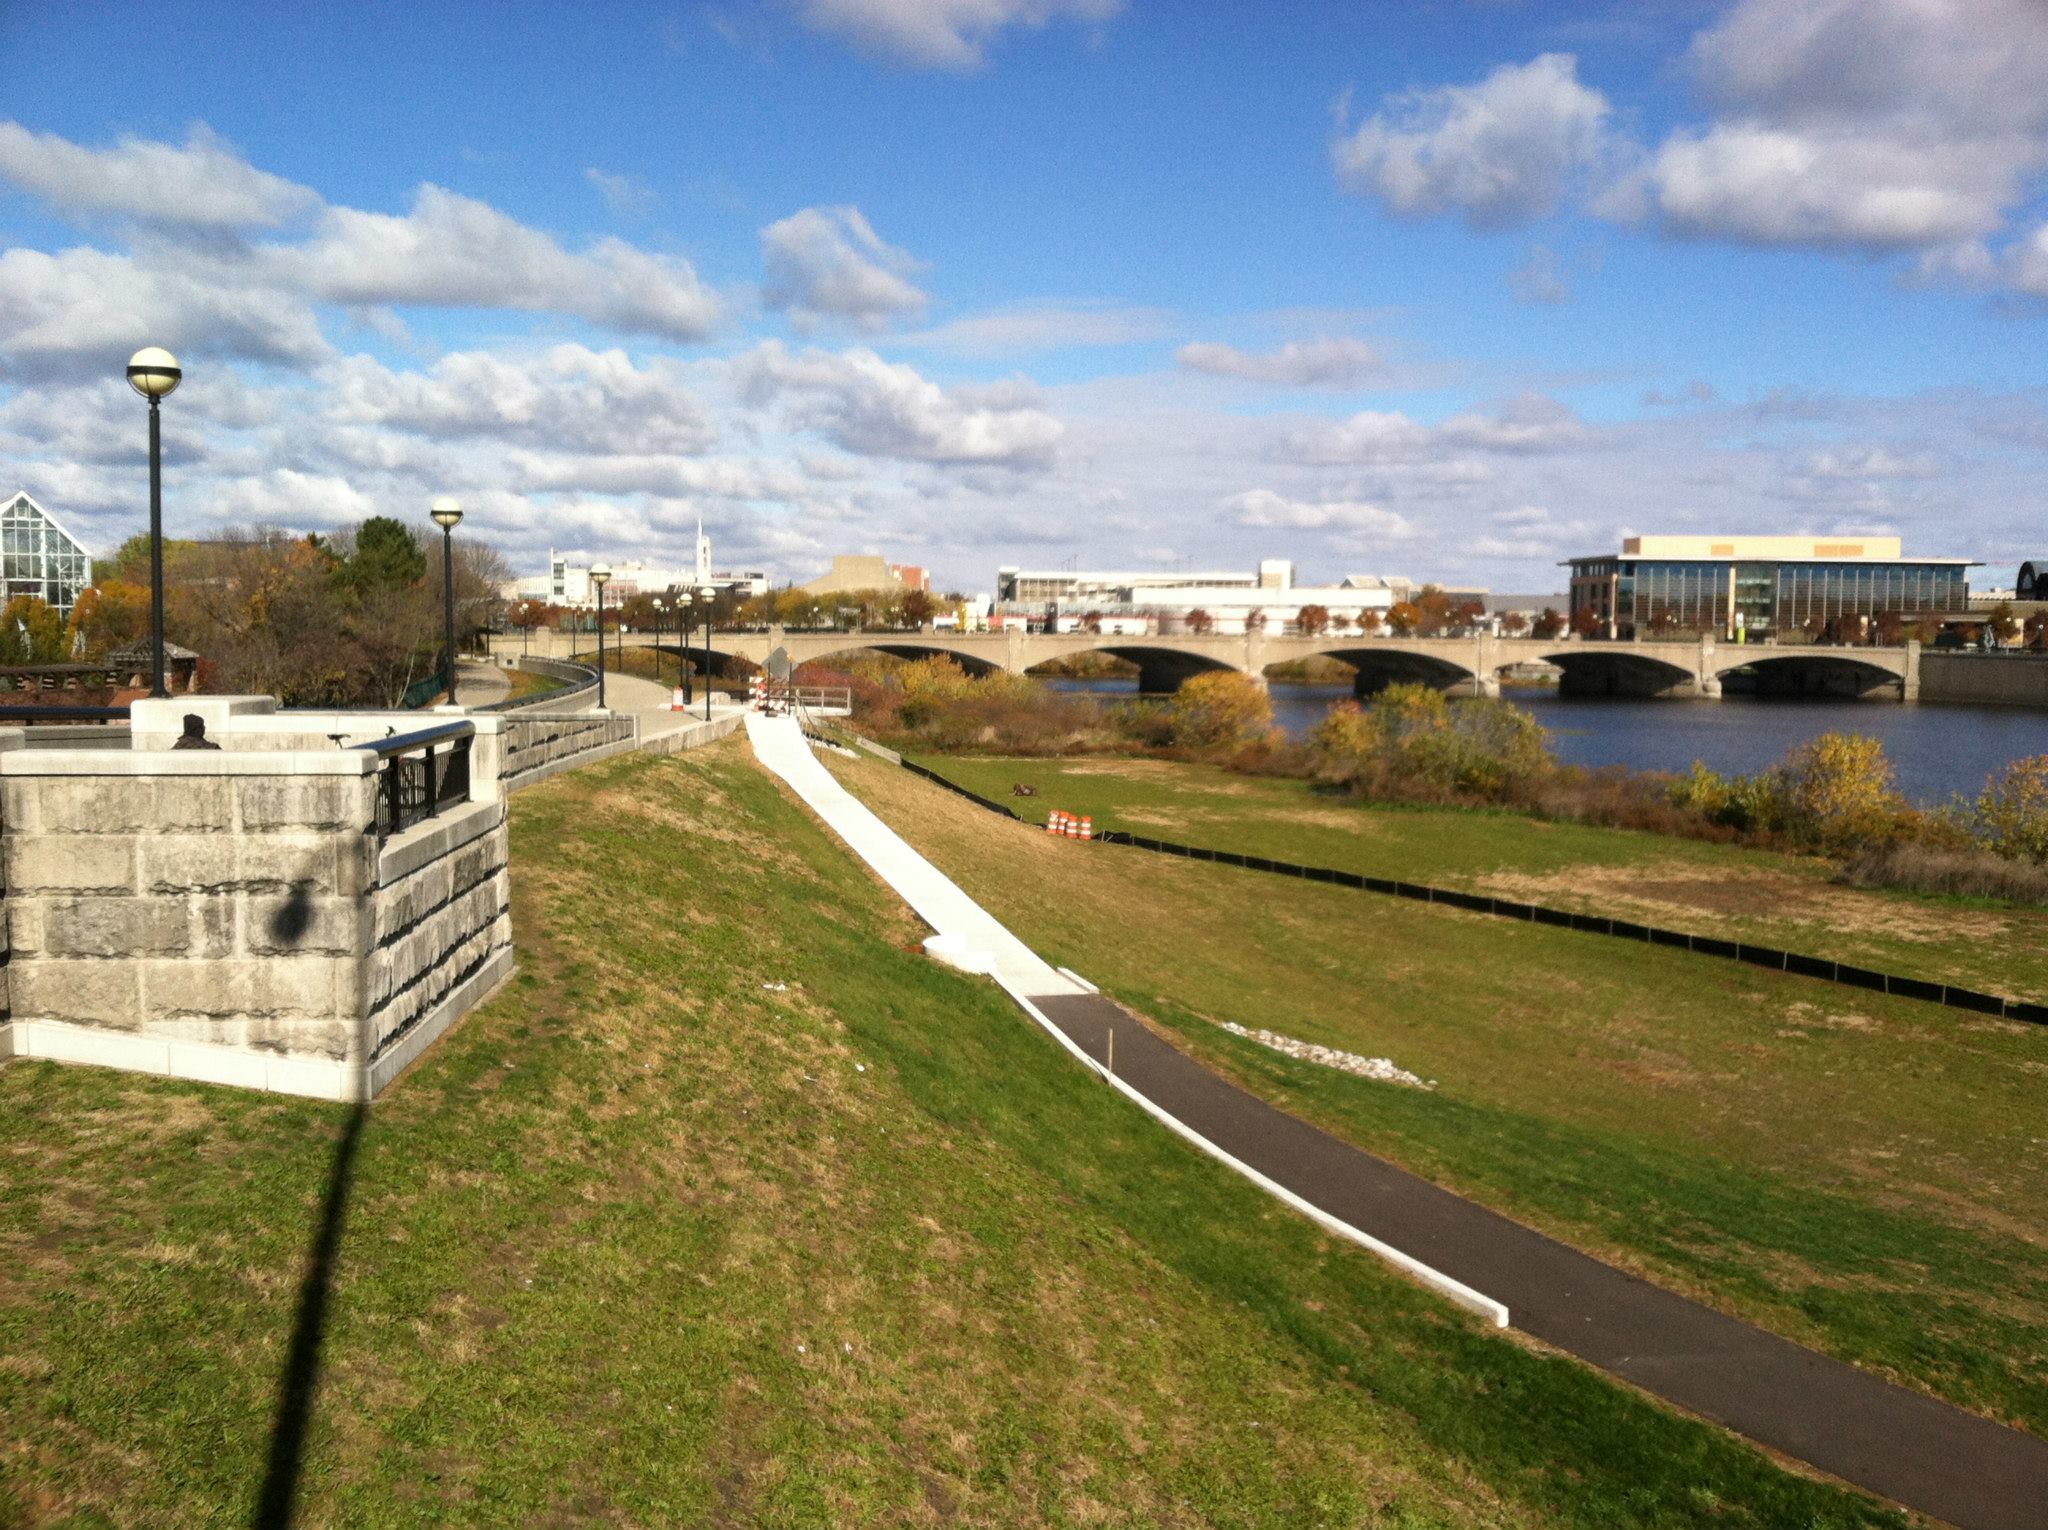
pixel 302 1365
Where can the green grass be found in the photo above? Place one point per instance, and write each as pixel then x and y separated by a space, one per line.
pixel 663 666
pixel 1721 890
pixel 732 1209
pixel 530 683
pixel 1866 1175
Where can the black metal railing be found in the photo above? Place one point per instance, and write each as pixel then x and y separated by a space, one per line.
pixel 576 678
pixel 417 777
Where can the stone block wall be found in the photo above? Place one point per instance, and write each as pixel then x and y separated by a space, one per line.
pixel 533 747
pixel 230 915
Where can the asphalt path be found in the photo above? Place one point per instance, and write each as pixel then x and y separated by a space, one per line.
pixel 1848 1423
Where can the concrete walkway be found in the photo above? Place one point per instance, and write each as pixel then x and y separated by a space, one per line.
pixel 1886 1439
pixel 479 685
pixel 968 935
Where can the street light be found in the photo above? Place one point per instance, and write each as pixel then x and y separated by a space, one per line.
pixel 600 576
pixel 706 594
pixel 447 513
pixel 154 372
pixel 660 607
pixel 683 601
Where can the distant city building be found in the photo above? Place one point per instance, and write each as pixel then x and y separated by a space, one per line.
pixel 568 584
pixel 864 571
pixel 1761 585
pixel 2033 581
pixel 1150 600
pixel 39 557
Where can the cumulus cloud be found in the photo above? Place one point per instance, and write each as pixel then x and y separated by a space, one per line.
pixel 204 184
pixel 1868 462
pixel 942 34
pixel 1873 125
pixel 1321 363
pixel 875 408
pixel 1527 425
pixel 1501 152
pixel 79 312
pixel 455 252
pixel 827 263
pixel 1538 279
pixel 1039 327
pixel 568 397
pixel 1264 508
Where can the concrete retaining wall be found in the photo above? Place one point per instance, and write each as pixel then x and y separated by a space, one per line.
pixel 534 748
pixel 1991 679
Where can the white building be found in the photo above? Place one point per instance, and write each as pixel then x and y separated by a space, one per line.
pixel 568 584
pixel 1130 603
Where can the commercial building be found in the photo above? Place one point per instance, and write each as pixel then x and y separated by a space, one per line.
pixel 1761 586
pixel 568 584
pixel 864 571
pixel 39 557
pixel 1155 601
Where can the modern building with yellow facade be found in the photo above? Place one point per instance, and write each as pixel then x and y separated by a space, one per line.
pixel 1762 586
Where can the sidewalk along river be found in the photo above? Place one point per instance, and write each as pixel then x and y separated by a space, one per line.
pixel 1936 750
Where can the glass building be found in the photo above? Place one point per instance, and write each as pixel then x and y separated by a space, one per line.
pixel 40 558
pixel 1762 586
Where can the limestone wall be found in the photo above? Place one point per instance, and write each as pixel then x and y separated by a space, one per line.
pixel 230 915
pixel 1996 679
pixel 534 747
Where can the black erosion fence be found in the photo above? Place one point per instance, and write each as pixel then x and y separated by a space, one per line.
pixel 1768 957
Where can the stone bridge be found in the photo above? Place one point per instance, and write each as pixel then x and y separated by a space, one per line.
pixel 1471 665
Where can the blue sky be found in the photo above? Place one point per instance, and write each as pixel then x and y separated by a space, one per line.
pixel 1451 289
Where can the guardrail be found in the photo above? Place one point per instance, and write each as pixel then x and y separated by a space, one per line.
pixel 1950 995
pixel 411 786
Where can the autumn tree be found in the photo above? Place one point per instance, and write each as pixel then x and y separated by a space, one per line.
pixel 1199 621
pixel 1548 625
pixel 918 607
pixel 1586 623
pixel 1514 624
pixel 1368 622
pixel 108 617
pixel 2010 816
pixel 31 632
pixel 1219 710
pixel 1313 621
pixel 1404 618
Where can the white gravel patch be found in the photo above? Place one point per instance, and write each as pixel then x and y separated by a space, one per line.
pixel 1380 1068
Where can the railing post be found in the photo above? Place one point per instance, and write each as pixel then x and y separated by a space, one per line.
pixel 427 774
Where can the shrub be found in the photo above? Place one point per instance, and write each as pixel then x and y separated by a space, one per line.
pixel 1413 741
pixel 1966 872
pixel 1219 710
pixel 1836 790
pixel 2010 816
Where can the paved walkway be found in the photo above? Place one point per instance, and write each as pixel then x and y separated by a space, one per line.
pixel 1884 1438
pixel 479 685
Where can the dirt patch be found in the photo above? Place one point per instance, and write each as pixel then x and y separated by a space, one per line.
pixel 1711 897
pixel 1158 770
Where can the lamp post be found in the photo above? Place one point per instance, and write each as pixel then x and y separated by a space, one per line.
pixel 659 606
pixel 154 372
pixel 447 513
pixel 684 598
pixel 600 576
pixel 706 594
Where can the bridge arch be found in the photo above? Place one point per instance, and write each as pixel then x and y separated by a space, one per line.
pixel 1594 670
pixel 1809 674
pixel 1163 670
pixel 906 647
pixel 1382 664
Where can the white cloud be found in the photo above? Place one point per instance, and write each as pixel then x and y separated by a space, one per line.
pixel 1320 363
pixel 1868 462
pixel 205 184
pixel 1876 125
pixel 567 397
pixel 453 251
pixel 1500 152
pixel 1032 328
pixel 83 311
pixel 626 195
pixel 827 263
pixel 1526 425
pixel 942 34
pixel 874 408
pixel 1264 508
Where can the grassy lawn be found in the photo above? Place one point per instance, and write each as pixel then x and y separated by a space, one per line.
pixel 662 666
pixel 1778 900
pixel 1866 1175
pixel 733 1209
pixel 525 683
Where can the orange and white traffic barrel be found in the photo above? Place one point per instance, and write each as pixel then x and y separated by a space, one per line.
pixel 1087 827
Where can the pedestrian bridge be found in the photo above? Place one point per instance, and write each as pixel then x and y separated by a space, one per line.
pixel 1472 665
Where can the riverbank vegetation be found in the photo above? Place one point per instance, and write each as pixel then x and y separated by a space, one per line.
pixel 1863 1174
pixel 1412 744
pixel 732 1209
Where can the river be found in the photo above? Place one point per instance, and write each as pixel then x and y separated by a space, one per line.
pixel 1936 751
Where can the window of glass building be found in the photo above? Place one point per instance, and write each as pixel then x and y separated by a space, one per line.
pixel 40 558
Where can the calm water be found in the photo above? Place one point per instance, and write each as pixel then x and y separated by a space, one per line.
pixel 1936 750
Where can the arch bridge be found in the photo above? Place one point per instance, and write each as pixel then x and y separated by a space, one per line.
pixel 1472 665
